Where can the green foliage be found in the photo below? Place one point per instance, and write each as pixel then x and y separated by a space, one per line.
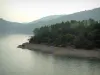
pixel 80 34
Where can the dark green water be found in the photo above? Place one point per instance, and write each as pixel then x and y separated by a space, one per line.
pixel 15 61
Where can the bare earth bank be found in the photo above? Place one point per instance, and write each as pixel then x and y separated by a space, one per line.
pixel 62 51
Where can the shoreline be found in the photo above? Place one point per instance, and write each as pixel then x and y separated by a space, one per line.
pixel 62 51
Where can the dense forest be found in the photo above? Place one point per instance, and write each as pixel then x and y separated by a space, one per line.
pixel 78 34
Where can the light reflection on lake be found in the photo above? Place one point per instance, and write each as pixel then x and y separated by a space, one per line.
pixel 16 61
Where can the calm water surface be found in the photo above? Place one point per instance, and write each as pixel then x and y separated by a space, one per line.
pixel 15 61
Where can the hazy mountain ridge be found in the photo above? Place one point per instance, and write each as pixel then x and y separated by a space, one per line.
pixel 47 18
pixel 27 28
pixel 7 27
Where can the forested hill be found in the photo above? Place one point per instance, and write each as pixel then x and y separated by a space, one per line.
pixel 53 19
pixel 22 28
pixel 78 34
pixel 83 15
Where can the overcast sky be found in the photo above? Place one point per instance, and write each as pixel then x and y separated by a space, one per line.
pixel 30 10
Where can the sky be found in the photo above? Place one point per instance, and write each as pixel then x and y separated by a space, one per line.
pixel 30 10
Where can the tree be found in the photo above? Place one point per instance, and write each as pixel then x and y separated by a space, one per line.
pixel 81 34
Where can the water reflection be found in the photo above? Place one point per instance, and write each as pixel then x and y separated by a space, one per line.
pixel 15 61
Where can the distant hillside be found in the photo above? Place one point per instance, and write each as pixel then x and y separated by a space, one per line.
pixel 83 15
pixel 13 27
pixel 7 27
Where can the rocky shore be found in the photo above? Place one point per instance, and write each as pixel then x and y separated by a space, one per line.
pixel 68 51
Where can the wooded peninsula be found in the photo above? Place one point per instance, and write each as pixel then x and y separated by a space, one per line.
pixel 78 34
pixel 71 38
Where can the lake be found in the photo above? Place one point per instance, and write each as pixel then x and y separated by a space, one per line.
pixel 16 61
